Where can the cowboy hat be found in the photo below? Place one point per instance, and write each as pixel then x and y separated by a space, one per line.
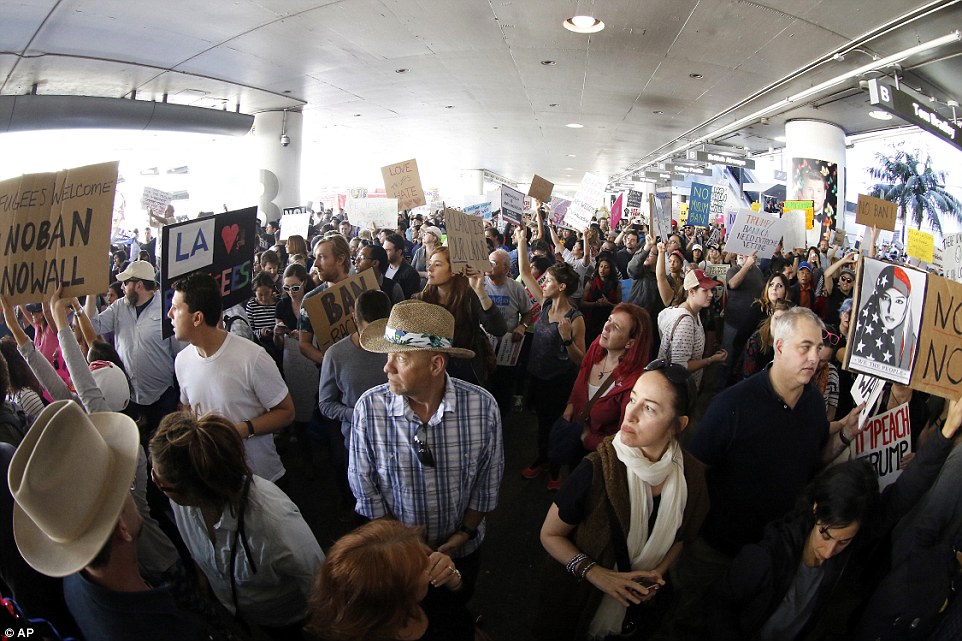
pixel 69 478
pixel 414 326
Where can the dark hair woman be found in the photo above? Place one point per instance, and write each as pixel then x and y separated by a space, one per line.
pixel 601 294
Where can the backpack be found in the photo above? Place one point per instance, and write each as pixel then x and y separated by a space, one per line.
pixel 242 329
pixel 13 424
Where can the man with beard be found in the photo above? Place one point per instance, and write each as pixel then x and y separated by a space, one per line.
pixel 332 259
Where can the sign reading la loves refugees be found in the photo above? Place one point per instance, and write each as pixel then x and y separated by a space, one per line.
pixel 466 242
pixel 754 232
pixel 330 310
pixel 222 246
pixel 55 229
pixel 885 441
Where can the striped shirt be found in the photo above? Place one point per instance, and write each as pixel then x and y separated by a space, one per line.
pixel 260 316
pixel 464 435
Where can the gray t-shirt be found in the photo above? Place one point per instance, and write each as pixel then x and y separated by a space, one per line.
pixel 511 300
pixel 795 609
pixel 740 299
pixel 347 372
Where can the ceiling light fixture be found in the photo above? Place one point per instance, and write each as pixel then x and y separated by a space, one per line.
pixel 695 76
pixel 583 24
pixel 401 70
pixel 574 125
pixel 570 155
pixel 449 106
pixel 553 104
pixel 548 63
pixel 657 113
pixel 878 114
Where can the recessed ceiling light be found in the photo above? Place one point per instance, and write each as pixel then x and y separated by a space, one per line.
pixel 880 115
pixel 780 139
pixel 569 168
pixel 695 76
pixel 553 104
pixel 401 70
pixel 287 91
pixel 570 155
pixel 357 115
pixel 583 24
pixel 657 113
pixel 574 125
pixel 548 63
pixel 449 106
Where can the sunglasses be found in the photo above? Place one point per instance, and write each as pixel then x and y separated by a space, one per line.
pixel 291 288
pixel 421 449
pixel 829 337
pixel 677 375
pixel 846 279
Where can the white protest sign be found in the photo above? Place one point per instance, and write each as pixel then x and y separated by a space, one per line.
pixel 295 225
pixel 512 204
pixel 506 349
pixel 867 389
pixel 586 201
pixel 952 257
pixel 192 247
pixel 382 212
pixel 885 441
pixel 719 194
pixel 155 200
pixel 794 235
pixel 754 232
pixel 479 209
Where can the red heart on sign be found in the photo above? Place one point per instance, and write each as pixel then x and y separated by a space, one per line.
pixel 229 235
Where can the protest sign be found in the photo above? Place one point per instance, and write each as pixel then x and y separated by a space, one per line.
pixel 155 201
pixel 938 367
pixel 295 225
pixel 403 181
pixel 875 212
pixel 586 201
pixel 952 257
pixel 482 210
pixel 506 350
pixel 634 199
pixel 885 441
pixel 660 208
pixel 381 212
pixel 719 196
pixel 808 206
pixel 512 204
pixel 222 246
pixel 794 234
pixel 466 242
pixel 730 217
pixel 55 230
pixel 754 232
pixel 699 204
pixel 540 189
pixel 294 210
pixel 617 208
pixel 920 245
pixel 559 207
pixel 330 310
pixel 867 390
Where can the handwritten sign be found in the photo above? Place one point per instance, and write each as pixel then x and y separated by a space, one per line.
pixel 634 199
pixel 330 310
pixel 222 246
pixel 885 441
pixel 155 200
pixel 938 366
pixel 920 245
pixel 875 212
pixel 794 234
pixel 512 204
pixel 807 206
pixel 403 181
pixel 55 229
pixel 952 257
pixel 719 196
pixel 754 232
pixel 867 389
pixel 699 204
pixel 466 243
pixel 506 349
pixel 381 212
pixel 540 189
pixel 586 201
pixel 295 225
pixel 479 209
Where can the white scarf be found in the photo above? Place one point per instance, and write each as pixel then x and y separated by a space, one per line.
pixel 645 551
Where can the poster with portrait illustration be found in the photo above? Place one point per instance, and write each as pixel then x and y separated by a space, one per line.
pixel 816 180
pixel 884 336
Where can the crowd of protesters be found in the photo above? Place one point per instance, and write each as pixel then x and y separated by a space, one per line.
pixel 694 429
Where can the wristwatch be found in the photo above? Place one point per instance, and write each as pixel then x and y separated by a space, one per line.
pixel 470 531
pixel 568 342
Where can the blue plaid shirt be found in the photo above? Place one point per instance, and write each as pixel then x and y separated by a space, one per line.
pixel 388 479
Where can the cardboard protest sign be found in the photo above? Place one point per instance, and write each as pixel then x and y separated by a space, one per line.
pixel 938 367
pixel 699 204
pixel 295 225
pixel 794 234
pixel 466 242
pixel 222 246
pixel 952 257
pixel 885 441
pixel 540 189
pixel 920 245
pixel 155 200
pixel 381 212
pixel 480 209
pixel 586 201
pixel 885 328
pixel 512 204
pixel 719 196
pixel 754 232
pixel 403 181
pixel 330 310
pixel 55 229
pixel 875 212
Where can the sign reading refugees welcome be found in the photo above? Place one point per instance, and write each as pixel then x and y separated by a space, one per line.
pixel 55 229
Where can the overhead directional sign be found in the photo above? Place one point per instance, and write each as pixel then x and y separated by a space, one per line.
pixel 663 175
pixel 718 159
pixel 685 169
pixel 895 101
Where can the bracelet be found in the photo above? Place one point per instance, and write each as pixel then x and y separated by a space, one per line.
pixel 575 560
pixel 568 342
pixel 250 429
pixel 841 436
pixel 584 570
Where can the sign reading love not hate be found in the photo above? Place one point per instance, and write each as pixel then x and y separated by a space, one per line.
pixel 331 310
pixel 403 181
pixel 466 242
pixel 222 246
pixel 55 230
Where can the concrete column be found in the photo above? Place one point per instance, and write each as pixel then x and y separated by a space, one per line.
pixel 279 165
pixel 815 151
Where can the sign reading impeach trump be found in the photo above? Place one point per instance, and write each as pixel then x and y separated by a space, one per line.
pixel 55 229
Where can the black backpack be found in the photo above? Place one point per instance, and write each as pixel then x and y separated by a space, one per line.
pixel 13 424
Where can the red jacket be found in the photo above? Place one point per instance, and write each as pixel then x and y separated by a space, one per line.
pixel 607 412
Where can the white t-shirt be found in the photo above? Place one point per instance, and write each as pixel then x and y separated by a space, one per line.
pixel 240 382
pixel 687 340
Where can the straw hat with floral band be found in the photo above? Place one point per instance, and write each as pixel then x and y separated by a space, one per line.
pixel 69 479
pixel 413 326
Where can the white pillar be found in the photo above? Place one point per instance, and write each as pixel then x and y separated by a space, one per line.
pixel 279 165
pixel 816 148
pixel 472 182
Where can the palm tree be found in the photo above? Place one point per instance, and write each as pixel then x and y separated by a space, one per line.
pixel 918 189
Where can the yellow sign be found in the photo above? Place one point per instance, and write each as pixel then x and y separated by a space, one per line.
pixel 683 214
pixel 921 245
pixel 756 206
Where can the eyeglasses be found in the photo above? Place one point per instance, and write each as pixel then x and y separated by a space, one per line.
pixel 829 337
pixel 845 279
pixel 160 486
pixel 424 454
pixel 131 281
pixel 291 288
pixel 677 375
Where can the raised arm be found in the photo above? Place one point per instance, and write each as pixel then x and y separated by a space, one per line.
pixel 661 276
pixel 524 264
